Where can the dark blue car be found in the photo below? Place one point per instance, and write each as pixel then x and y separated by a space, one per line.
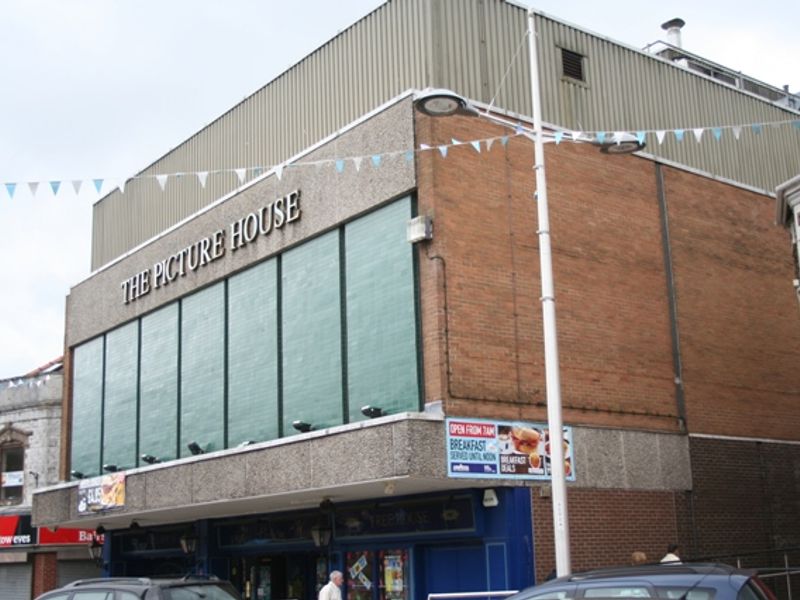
pixel 683 581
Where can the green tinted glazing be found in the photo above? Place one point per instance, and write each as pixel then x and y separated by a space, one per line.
pixel 158 388
pixel 381 319
pixel 202 369
pixel 119 407
pixel 87 400
pixel 253 355
pixel 312 367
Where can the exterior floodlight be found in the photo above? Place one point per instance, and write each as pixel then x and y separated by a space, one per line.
pixel 76 474
pixel 302 426
pixel 622 144
pixel 150 459
pixel 441 103
pixel 372 412
pixel 110 468
pixel 195 448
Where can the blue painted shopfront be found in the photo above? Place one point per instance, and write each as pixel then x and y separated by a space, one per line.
pixel 389 548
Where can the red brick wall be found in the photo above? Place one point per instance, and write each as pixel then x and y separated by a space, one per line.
pixel 737 316
pixel 45 573
pixel 606 526
pixel 483 337
pixel 739 323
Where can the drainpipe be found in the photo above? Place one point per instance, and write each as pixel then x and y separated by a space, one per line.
pixel 677 365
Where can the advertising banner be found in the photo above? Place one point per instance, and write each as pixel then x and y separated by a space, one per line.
pixel 101 493
pixel 503 450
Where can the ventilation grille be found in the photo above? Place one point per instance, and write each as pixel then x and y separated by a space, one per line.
pixel 572 64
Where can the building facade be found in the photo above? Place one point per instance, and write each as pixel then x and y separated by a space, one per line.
pixel 338 364
pixel 33 560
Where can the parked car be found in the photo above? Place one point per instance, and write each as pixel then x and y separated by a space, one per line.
pixel 143 588
pixel 684 581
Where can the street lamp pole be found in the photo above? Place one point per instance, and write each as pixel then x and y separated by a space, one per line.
pixel 552 377
pixel 443 102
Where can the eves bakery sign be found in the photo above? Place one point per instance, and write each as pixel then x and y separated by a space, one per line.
pixel 275 215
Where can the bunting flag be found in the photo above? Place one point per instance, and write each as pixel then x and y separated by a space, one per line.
pixel 377 160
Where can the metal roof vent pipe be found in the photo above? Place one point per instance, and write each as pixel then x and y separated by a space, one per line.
pixel 673 29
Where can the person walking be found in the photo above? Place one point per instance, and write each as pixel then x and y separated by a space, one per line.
pixel 332 589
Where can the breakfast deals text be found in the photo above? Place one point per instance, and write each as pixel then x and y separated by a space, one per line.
pixel 503 450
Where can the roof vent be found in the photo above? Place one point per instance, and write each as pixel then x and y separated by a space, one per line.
pixel 673 29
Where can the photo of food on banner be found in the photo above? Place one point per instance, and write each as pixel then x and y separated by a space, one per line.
pixel 525 449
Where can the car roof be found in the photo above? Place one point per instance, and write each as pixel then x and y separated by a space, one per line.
pixel 657 574
pixel 140 582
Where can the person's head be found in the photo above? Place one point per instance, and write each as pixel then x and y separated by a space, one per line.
pixel 337 578
pixel 638 558
pixel 672 549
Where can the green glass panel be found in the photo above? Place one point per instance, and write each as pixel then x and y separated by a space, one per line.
pixel 158 385
pixel 312 367
pixel 381 314
pixel 119 407
pixel 202 370
pixel 87 407
pixel 253 355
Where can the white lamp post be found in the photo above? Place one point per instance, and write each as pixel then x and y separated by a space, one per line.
pixel 445 102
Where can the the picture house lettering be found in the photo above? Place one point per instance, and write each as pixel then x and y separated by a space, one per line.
pixel 261 222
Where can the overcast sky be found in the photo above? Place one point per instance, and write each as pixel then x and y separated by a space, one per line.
pixel 101 88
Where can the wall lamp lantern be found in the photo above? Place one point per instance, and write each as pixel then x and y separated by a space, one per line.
pixel 195 448
pixel 188 543
pixel 100 530
pixel 302 426
pixel 76 475
pixel 150 459
pixel 109 468
pixel 96 551
pixel 372 412
pixel 321 534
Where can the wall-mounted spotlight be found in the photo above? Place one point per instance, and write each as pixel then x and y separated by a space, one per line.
pixel 245 443
pixel 195 448
pixel 150 459
pixel 490 498
pixel 76 474
pixel 110 468
pixel 372 412
pixel 302 426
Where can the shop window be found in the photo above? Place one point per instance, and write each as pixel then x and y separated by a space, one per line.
pixel 12 462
